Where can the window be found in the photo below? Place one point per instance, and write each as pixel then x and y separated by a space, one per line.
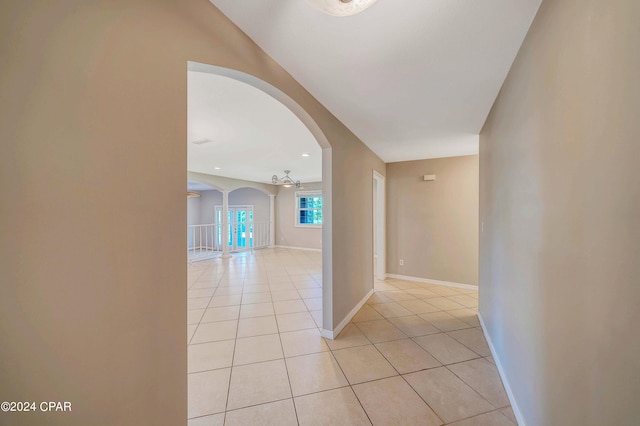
pixel 309 208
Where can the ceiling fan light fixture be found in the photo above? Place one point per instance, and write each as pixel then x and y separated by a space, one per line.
pixel 341 7
pixel 285 180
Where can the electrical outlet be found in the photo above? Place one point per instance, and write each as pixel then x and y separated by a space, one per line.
pixel 401 262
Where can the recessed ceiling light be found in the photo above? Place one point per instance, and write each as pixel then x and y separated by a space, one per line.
pixel 306 155
pixel 216 168
pixel 202 141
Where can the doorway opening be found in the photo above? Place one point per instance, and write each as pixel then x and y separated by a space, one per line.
pixel 241 231
pixel 379 236
pixel 240 299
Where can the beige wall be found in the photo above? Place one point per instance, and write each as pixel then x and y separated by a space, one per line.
pixel 207 207
pixel 287 234
pixel 249 196
pixel 93 124
pixel 193 211
pixel 352 225
pixel 433 225
pixel 560 201
pixel 239 197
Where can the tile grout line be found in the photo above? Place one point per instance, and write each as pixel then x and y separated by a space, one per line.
pixel 286 366
pixel 233 355
pixel 247 267
pixel 349 384
pixel 399 374
pixel 452 372
pixel 412 338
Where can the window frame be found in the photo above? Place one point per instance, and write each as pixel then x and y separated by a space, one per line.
pixel 296 205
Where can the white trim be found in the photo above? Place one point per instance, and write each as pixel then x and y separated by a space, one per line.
pixel 224 219
pixel 436 282
pixel 200 248
pixel 298 248
pixel 381 220
pixel 503 376
pixel 202 259
pixel 234 224
pixel 272 220
pixel 296 215
pixel 329 334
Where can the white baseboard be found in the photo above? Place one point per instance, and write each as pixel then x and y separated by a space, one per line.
pixel 437 282
pixel 205 248
pixel 202 259
pixel 328 334
pixel 298 248
pixel 332 334
pixel 505 382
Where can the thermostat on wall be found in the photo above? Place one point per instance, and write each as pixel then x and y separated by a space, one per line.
pixel 429 177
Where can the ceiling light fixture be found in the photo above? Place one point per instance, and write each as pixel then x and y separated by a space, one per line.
pixel 306 155
pixel 285 180
pixel 341 7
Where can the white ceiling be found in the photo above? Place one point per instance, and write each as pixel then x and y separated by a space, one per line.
pixel 412 78
pixel 252 136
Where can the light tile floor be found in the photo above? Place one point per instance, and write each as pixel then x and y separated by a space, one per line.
pixel 413 355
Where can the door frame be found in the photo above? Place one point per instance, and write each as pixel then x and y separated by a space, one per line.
pixel 233 225
pixel 379 222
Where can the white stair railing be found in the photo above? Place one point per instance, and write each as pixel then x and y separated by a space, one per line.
pixel 260 234
pixel 203 241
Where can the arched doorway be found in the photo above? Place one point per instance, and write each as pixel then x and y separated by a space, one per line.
pixel 246 297
pixel 324 144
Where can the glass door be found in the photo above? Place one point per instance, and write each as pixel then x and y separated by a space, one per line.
pixel 241 217
pixel 239 233
pixel 220 233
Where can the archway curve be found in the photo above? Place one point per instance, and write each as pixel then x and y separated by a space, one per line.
pixel 306 119
pixel 269 89
pixel 221 183
pixel 251 187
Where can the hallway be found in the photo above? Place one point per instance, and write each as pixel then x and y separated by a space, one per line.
pixel 414 354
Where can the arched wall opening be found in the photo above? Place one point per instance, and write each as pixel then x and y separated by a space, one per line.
pixel 107 133
pixel 227 184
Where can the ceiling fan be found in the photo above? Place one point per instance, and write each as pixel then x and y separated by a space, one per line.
pixel 285 180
